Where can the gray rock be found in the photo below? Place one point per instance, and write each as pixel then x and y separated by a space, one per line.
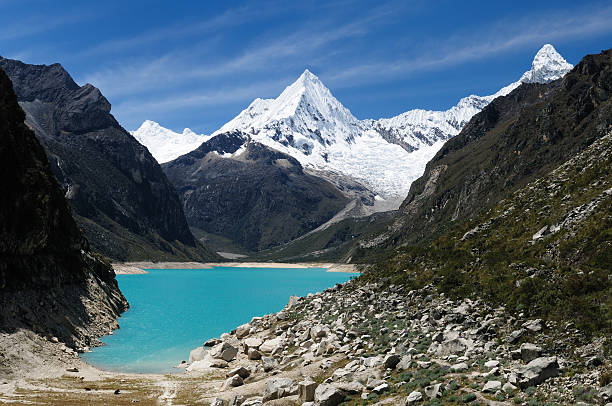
pixel 530 352
pixel 382 388
pixel 233 381
pixel 350 388
pixel 252 342
pixel 217 402
pixel 306 391
pixel 414 397
pixel 197 354
pixel 279 388
pixel 404 363
pixel 515 335
pixel 508 387
pixel 534 325
pixel 391 361
pixel 491 364
pixel 269 363
pixel 254 354
pixel 240 371
pixel 605 393
pixel 460 367
pixel 237 400
pixel 224 351
pixel 492 386
pixel 433 391
pixel 243 330
pixel 328 395
pixel 536 372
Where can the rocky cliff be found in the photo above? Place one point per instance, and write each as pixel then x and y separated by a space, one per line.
pixel 250 193
pixel 50 281
pixel 121 198
pixel 514 140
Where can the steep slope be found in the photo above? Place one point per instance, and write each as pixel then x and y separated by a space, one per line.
pixel 242 190
pixel 50 281
pixel 164 144
pixel 514 140
pixel 417 128
pixel 544 251
pixel 120 196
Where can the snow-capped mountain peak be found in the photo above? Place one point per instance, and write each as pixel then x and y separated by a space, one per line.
pixel 304 114
pixel 164 144
pixel 548 65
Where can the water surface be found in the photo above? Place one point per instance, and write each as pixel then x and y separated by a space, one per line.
pixel 173 311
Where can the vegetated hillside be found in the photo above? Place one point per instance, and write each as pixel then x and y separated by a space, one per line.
pixel 121 198
pixel 251 194
pixel 513 141
pixel 545 251
pixel 50 281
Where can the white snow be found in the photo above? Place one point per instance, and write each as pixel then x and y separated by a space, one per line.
pixel 164 144
pixel 307 122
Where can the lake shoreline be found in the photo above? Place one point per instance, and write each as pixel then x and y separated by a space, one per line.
pixel 136 268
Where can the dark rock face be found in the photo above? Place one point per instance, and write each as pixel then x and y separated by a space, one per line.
pixel 514 140
pixel 50 281
pixel 119 194
pixel 258 198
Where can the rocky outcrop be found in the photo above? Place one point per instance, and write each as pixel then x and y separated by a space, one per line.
pixel 512 141
pixel 253 195
pixel 120 197
pixel 50 281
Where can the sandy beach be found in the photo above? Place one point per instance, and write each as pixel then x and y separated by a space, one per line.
pixel 132 268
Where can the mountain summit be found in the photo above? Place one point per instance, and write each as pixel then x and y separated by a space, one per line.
pixel 304 113
pixel 308 123
pixel 548 65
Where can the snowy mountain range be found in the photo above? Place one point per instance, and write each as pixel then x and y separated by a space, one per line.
pixel 307 122
pixel 164 144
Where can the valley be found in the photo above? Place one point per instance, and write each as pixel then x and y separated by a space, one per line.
pixel 295 251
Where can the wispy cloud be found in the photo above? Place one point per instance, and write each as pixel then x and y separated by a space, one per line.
pixel 499 37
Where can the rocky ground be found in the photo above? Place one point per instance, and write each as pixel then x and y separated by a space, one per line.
pixel 359 345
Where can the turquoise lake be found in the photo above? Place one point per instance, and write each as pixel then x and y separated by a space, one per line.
pixel 173 311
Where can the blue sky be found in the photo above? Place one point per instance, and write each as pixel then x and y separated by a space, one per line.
pixel 199 63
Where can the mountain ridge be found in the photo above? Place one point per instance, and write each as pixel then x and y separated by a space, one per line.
pixel 118 192
pixel 307 122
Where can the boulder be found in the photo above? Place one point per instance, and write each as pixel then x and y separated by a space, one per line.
pixel 328 395
pixel 529 351
pixel 269 363
pixel 460 367
pixel 240 371
pixel 491 364
pixel 605 393
pixel 233 382
pixel 279 388
pixel 350 388
pixel 269 346
pixel 535 372
pixel 534 325
pixel 252 342
pixel 243 330
pixel 391 361
pixel 414 397
pixel 197 354
pixel 492 386
pixel 306 391
pixel 382 388
pixel 253 354
pixel 454 346
pixel 515 335
pixel 404 363
pixel 433 391
pixel 224 351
